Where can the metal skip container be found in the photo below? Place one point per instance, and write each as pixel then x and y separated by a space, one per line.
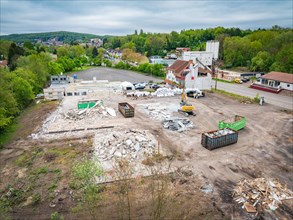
pixel 126 109
pixel 219 138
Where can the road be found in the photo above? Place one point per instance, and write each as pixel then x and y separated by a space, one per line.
pixel 271 98
pixel 111 74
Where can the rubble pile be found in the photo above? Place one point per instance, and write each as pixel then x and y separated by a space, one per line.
pixel 161 92
pixel 262 193
pixel 139 94
pixel 131 144
pixel 156 111
pixel 75 114
pixel 177 124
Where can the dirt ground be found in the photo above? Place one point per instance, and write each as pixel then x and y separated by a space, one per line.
pixel 264 149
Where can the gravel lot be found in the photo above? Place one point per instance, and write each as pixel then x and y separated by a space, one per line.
pixel 104 73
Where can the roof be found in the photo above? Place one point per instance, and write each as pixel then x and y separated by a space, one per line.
pixel 179 66
pixel 204 70
pixel 279 76
pixel 3 63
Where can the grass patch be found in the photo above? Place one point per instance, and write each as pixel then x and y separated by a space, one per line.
pixel 240 98
pixel 223 80
pixel 7 135
pixel 27 158
pixel 79 69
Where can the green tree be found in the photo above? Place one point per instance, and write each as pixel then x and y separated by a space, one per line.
pixel 62 52
pixel 4 48
pixel 261 62
pixel 95 52
pixel 67 63
pixel 55 68
pixel 21 89
pixel 76 51
pixel 38 64
pixel 14 53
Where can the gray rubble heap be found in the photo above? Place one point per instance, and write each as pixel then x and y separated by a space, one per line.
pixel 177 124
pixel 130 144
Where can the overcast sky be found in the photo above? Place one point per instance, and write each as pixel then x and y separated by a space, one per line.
pixel 123 17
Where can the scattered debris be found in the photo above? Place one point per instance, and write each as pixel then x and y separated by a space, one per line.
pixel 262 193
pixel 161 92
pixel 178 124
pixel 156 111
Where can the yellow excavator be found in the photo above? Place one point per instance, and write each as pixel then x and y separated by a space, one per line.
pixel 185 108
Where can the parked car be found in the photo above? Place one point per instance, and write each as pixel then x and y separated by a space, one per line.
pixel 154 86
pixel 245 79
pixel 239 81
pixel 195 93
pixel 139 85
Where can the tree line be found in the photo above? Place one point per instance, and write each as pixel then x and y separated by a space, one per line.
pixel 257 50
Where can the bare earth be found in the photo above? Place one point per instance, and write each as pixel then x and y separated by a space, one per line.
pixel 264 149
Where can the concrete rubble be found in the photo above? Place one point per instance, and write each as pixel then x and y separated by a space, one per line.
pixel 130 144
pixel 220 133
pixel 97 110
pixel 261 193
pixel 161 92
pixel 156 111
pixel 177 124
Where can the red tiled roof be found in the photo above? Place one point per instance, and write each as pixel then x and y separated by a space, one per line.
pixel 279 76
pixel 3 62
pixel 204 70
pixel 179 66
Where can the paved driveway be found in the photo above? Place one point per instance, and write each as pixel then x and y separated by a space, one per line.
pixel 271 98
pixel 104 73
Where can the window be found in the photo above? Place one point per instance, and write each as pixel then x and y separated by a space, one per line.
pixel 83 93
pixel 288 85
pixel 69 93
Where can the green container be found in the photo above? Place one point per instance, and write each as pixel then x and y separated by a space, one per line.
pixel 85 104
pixel 237 123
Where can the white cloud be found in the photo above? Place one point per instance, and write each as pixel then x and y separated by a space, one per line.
pixel 122 17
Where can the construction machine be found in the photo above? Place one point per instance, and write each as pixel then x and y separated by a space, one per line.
pixel 185 108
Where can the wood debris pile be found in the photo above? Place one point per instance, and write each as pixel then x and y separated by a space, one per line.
pixel 261 193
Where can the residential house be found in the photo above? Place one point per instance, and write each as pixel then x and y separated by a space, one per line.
pixel 189 75
pixel 3 63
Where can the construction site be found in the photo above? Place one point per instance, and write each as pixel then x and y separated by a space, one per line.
pixel 176 157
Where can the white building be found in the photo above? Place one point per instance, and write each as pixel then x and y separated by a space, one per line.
pixel 213 46
pixel 277 80
pixel 205 57
pixel 189 75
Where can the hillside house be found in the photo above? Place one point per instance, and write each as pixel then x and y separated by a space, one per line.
pixel 189 75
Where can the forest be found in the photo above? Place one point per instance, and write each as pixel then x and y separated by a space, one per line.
pixel 65 36
pixel 31 64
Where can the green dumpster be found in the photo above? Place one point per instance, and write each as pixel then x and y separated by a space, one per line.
pixel 236 123
pixel 87 103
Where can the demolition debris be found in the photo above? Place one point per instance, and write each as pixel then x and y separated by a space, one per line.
pixel 177 124
pixel 131 144
pixel 261 193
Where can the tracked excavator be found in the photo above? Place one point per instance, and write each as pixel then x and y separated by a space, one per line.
pixel 185 108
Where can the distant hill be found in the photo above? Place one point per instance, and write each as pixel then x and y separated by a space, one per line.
pixel 64 36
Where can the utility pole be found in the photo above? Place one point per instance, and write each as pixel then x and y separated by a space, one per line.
pixel 214 73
